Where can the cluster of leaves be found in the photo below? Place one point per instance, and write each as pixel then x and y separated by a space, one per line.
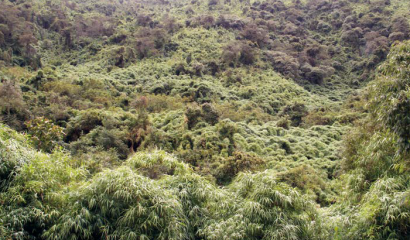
pixel 152 196
pixel 32 186
pixel 44 134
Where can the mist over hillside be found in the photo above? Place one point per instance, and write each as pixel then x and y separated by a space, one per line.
pixel 208 120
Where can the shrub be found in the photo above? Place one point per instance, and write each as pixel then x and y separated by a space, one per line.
pixel 239 162
pixel 12 105
pixel 83 123
pixel 247 55
pixel 295 113
pixel 14 153
pixel 315 75
pixel 44 134
pixel 307 179
pixel 268 210
pixel 156 164
pixel 283 123
pixel 36 194
pixel 121 204
pixel 255 34
pixel 401 24
pixel 230 54
pixel 11 98
pixel 96 159
pixel 192 116
pixel 213 2
pixel 283 63
pixel 210 114
pixel 150 42
pixel 352 37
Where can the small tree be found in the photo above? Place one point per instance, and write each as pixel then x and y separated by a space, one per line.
pixel 192 115
pixel 247 56
pixel 150 42
pixel 295 112
pixel 210 114
pixel 139 127
pixel 255 34
pixel 44 134
pixel 11 98
pixel 238 52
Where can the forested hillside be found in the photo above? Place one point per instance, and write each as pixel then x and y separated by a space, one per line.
pixel 211 120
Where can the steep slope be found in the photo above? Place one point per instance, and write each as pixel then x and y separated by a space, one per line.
pixel 180 119
pixel 375 199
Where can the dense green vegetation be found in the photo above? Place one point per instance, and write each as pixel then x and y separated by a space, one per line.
pixel 177 119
